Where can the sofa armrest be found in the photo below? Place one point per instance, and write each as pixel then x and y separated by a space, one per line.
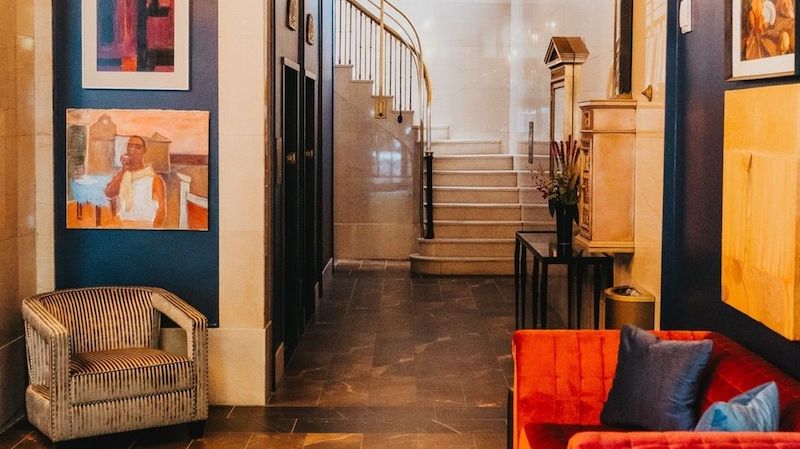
pixel 562 376
pixel 685 440
pixel 195 325
pixel 47 344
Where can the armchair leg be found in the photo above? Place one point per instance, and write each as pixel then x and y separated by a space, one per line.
pixel 197 429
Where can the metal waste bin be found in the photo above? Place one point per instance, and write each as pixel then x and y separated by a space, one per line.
pixel 628 305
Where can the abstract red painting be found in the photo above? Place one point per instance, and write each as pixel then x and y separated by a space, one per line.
pixel 135 44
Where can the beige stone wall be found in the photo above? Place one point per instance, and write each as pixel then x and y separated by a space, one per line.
pixel 650 47
pixel 375 203
pixel 25 88
pixel 649 68
pixel 238 359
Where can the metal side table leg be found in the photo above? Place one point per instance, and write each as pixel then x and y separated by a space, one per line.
pixel 543 295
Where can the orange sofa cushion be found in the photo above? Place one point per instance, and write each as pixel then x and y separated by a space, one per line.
pixel 563 377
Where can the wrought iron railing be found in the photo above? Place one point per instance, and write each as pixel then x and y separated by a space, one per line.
pixel 382 45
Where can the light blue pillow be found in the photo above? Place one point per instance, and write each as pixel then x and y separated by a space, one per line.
pixel 756 410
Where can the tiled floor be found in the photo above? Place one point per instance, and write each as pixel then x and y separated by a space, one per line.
pixel 391 361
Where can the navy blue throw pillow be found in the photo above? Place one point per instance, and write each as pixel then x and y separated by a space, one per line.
pixel 755 410
pixel 655 387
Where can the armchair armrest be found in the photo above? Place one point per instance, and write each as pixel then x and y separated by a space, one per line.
pixel 562 376
pixel 685 440
pixel 196 326
pixel 48 345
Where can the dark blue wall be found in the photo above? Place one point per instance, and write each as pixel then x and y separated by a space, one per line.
pixel 181 261
pixel 691 291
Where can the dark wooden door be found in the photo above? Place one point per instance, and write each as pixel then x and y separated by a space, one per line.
pixel 310 207
pixel 296 243
pixel 288 219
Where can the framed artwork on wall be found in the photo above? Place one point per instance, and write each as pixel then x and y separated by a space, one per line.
pixel 761 38
pixel 137 169
pixel 292 15
pixel 311 32
pixel 135 44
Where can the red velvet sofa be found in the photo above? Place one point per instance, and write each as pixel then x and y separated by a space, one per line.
pixel 562 379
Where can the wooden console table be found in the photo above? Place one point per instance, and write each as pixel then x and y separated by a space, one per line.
pixel 577 261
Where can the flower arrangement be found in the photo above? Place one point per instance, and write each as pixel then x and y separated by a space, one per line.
pixel 561 185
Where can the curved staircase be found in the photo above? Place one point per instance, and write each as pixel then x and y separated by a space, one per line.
pixel 481 198
pixel 482 194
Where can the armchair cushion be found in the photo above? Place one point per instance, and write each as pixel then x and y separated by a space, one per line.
pixel 126 373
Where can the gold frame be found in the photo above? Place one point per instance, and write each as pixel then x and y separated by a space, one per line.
pixel 292 15
pixel 311 32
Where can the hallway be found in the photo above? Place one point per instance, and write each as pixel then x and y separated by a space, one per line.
pixel 391 361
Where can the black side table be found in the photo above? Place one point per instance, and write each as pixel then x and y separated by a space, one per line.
pixel 576 259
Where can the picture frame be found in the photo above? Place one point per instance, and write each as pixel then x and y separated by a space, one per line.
pixel 118 54
pixel 292 15
pixel 311 30
pixel 142 169
pixel 767 51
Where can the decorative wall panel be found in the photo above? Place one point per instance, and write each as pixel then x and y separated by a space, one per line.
pixel 760 246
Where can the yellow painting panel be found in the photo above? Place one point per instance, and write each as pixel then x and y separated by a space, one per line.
pixel 760 206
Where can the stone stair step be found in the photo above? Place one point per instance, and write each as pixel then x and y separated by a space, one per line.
pixel 456 247
pixel 354 91
pixel 433 265
pixel 475 211
pixel 476 178
pixel 487 229
pixel 437 132
pixel 461 147
pixel 458 194
pixel 539 148
pixel 521 162
pixel 529 195
pixel 473 162
pixel 440 132
pixel 534 212
pixel 526 178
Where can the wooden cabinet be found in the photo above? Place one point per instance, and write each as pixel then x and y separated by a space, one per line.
pixel 608 142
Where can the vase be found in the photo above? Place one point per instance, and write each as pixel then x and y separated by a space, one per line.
pixel 565 215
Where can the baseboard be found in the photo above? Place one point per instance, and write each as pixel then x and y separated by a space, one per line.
pixel 279 363
pixel 327 276
pixel 19 416
pixel 317 295
pixel 13 381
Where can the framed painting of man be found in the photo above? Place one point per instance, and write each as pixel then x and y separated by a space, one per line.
pixel 137 169
pixel 135 44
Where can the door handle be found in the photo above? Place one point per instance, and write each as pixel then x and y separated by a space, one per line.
pixel 291 158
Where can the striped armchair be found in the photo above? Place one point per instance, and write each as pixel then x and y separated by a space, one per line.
pixel 95 365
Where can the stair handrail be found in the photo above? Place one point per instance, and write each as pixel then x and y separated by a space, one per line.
pixel 414 43
pixel 410 40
